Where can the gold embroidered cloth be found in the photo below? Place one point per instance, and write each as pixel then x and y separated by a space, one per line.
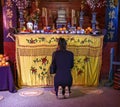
pixel 34 54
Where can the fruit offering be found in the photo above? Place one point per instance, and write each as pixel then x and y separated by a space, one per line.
pixel 25 30
pixel 4 60
pixel 88 30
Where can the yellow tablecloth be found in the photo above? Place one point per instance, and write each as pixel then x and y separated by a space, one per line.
pixel 33 58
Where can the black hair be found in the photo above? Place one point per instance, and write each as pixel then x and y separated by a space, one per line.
pixel 62 43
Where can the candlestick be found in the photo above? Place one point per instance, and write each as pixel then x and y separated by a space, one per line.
pixel 81 18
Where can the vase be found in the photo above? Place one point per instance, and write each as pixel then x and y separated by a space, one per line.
pixel 81 19
pixel 93 21
pixel 21 19
pixel 35 25
pixel 30 25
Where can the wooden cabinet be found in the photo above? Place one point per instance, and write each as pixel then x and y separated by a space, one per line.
pixel 52 7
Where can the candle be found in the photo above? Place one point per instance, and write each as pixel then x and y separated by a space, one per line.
pixel 73 17
pixel 46 21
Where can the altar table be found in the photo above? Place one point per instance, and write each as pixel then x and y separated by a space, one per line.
pixel 34 54
pixel 6 80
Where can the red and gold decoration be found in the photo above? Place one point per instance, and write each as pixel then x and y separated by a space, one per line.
pixel 9 20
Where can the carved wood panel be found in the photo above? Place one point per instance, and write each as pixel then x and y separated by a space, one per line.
pixel 68 5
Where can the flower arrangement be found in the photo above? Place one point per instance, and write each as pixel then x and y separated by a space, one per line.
pixel 34 16
pixel 21 4
pixel 93 4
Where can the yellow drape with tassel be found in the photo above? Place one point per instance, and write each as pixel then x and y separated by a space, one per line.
pixel 33 58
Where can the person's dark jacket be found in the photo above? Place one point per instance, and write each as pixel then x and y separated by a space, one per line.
pixel 63 61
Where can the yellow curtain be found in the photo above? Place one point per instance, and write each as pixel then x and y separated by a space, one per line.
pixel 33 57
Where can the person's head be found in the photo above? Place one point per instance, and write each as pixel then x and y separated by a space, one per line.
pixel 62 44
